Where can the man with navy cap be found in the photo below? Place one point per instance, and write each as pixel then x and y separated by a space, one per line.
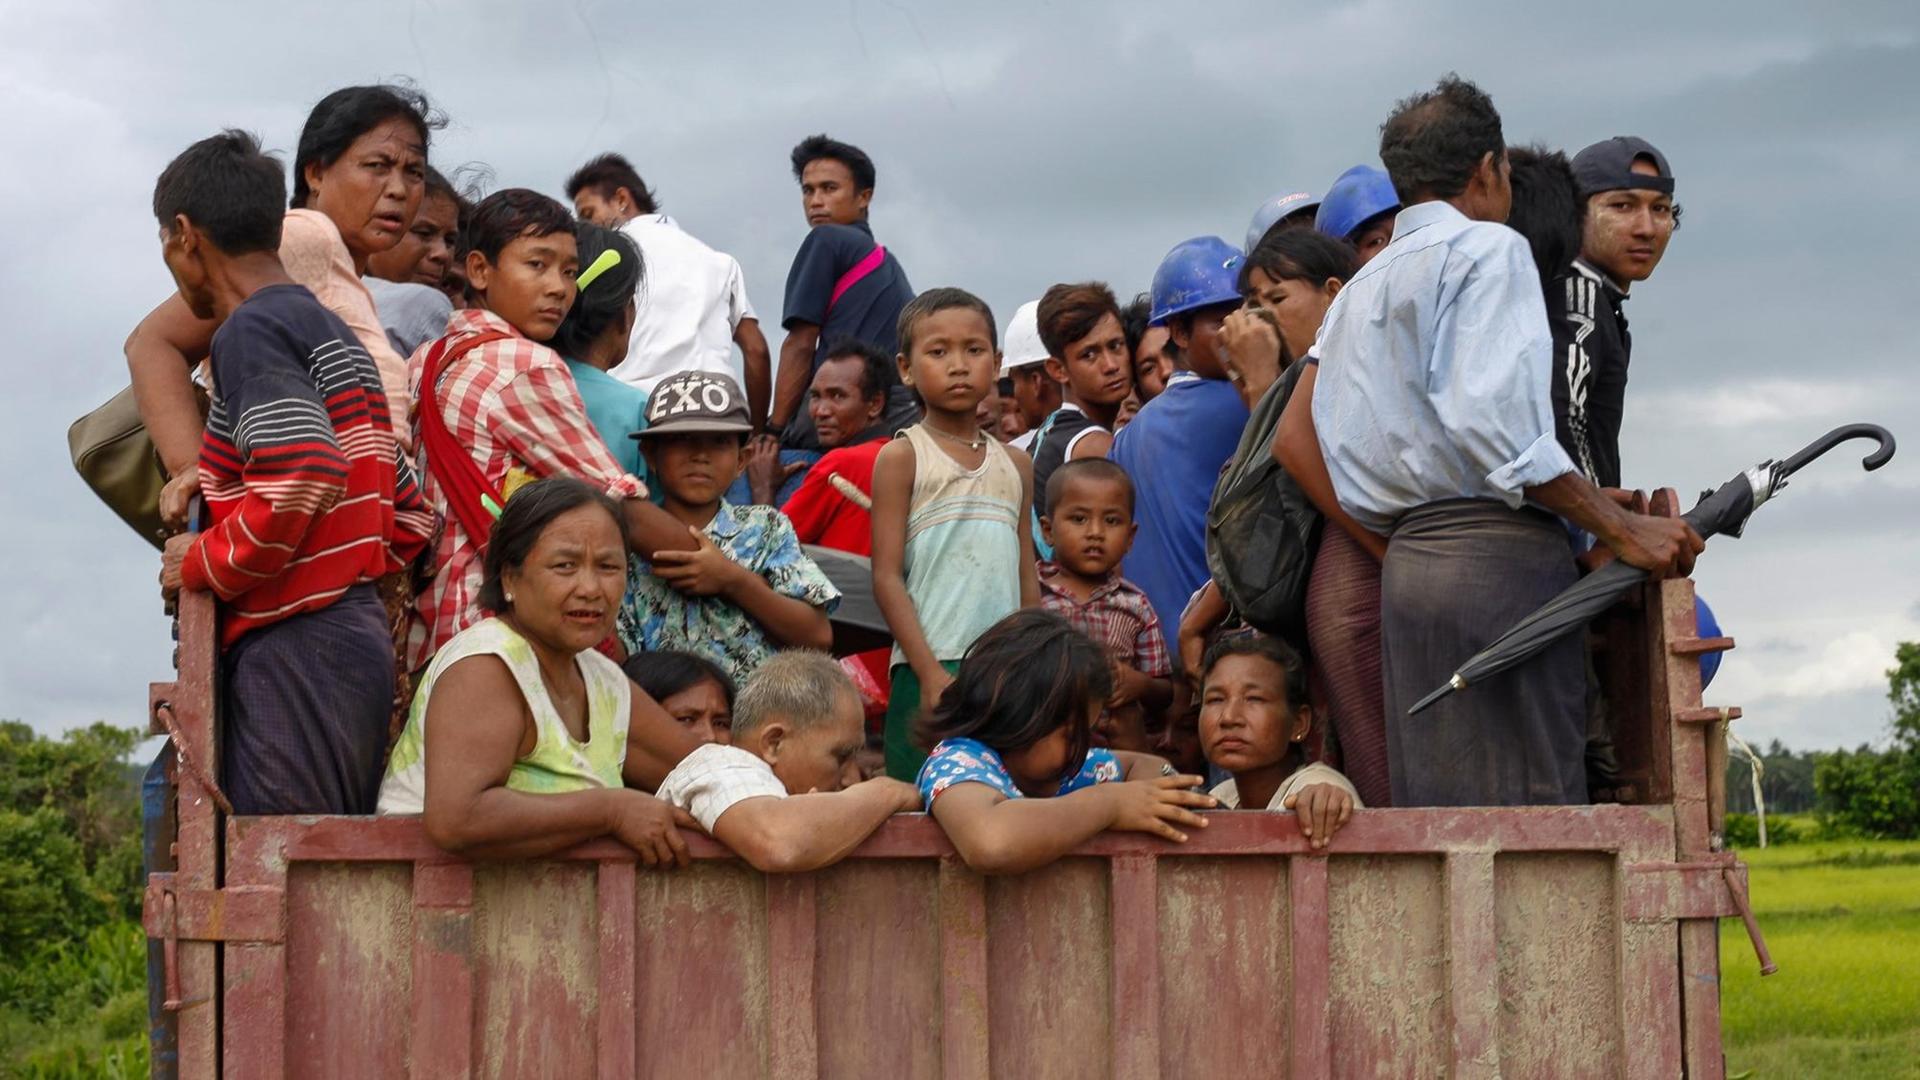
pixel 1631 215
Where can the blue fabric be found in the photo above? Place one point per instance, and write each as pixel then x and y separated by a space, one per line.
pixel 868 311
pixel 792 483
pixel 1435 378
pixel 617 410
pixel 961 761
pixel 1173 450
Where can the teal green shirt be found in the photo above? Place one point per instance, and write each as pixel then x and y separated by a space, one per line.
pixel 617 411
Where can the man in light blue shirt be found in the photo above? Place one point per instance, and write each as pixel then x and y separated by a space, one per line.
pixel 1433 409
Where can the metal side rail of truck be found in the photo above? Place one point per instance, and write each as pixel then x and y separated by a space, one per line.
pixel 1519 942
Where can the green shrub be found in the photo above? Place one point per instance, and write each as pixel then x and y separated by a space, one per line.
pixel 1743 831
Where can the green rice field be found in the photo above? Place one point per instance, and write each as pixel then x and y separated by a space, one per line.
pixel 1842 919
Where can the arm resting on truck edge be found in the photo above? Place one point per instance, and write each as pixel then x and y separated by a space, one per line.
pixel 998 835
pixel 1296 446
pixel 795 372
pixel 161 354
pixel 807 832
pixel 477 728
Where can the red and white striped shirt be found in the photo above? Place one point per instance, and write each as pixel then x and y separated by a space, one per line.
pixel 511 403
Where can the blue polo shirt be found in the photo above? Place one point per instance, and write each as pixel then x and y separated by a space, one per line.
pixel 1174 450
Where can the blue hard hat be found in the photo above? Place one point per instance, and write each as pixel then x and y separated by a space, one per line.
pixel 1271 211
pixel 1197 273
pixel 1706 626
pixel 1362 192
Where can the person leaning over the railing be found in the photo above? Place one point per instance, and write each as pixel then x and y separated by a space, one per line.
pixel 311 499
pixel 779 796
pixel 522 737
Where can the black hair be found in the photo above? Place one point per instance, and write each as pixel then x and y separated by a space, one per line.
pixel 1028 676
pixel 1267 647
pixel 667 672
pixel 527 515
pixel 1547 208
pixel 814 147
pixel 345 115
pixel 229 189
pixel 1133 319
pixel 606 175
pixel 877 371
pixel 508 214
pixel 604 299
pixel 439 187
pixel 1097 469
pixel 1300 255
pixel 1433 141
pixel 1068 313
pixel 934 301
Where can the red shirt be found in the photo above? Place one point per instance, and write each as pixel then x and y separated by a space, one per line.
pixel 822 512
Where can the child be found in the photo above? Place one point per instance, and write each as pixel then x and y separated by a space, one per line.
pixel 747 589
pixel 1090 529
pixel 693 690
pixel 1253 716
pixel 951 554
pixel 1012 779
pixel 786 796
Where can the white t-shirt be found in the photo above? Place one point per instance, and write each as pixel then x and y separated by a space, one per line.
pixel 689 304
pixel 1313 773
pixel 710 780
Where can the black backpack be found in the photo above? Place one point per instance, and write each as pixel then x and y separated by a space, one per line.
pixel 1261 530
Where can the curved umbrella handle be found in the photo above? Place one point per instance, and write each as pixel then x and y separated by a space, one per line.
pixel 1834 438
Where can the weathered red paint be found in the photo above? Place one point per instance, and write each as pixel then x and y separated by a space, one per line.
pixel 1467 942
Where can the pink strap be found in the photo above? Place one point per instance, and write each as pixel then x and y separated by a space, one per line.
pixel 860 270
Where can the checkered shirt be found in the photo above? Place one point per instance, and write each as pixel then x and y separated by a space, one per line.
pixel 1118 617
pixel 513 404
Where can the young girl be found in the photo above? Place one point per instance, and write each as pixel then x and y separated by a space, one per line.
pixel 1011 778
pixel 951 552
pixel 1253 716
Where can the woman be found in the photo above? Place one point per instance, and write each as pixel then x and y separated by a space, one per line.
pixel 522 738
pixel 357 180
pixel 407 282
pixel 693 689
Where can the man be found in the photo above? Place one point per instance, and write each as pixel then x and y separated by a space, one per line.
pixel 1023 364
pixel 1434 413
pixel 843 284
pixel 1359 209
pixel 1152 367
pixel 691 307
pixel 1289 209
pixel 778 796
pixel 1630 217
pixel 846 401
pixel 1088 359
pixel 1175 447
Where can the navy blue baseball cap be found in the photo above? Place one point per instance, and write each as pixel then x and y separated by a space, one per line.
pixel 1608 166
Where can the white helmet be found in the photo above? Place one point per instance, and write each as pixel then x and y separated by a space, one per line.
pixel 1023 346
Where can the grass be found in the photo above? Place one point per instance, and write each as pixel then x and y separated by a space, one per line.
pixel 1842 919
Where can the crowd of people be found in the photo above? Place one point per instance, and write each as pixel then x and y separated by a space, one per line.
pixel 510 504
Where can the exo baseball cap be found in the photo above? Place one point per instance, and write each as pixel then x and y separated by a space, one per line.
pixel 694 403
pixel 1022 344
pixel 1608 166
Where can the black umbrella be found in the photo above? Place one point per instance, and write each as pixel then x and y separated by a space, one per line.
pixel 1719 513
pixel 857 622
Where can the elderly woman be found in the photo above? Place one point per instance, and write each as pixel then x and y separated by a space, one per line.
pixel 522 738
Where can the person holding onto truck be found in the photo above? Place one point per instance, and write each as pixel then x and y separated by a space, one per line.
pixel 523 739
pixel 786 795
pixel 1090 528
pixel 310 497
pixel 1013 778
pixel 693 690
pixel 1254 720
pixel 1088 359
pixel 951 551
pixel 1434 414
pixel 747 589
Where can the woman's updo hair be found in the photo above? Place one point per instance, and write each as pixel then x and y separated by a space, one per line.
pixel 602 301
pixel 345 115
pixel 526 516
pixel 1028 676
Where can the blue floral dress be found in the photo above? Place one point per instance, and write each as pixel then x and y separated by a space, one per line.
pixel 960 761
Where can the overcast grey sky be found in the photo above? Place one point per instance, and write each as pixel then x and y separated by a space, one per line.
pixel 1025 143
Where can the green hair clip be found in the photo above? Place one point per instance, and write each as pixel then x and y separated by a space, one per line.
pixel 608 259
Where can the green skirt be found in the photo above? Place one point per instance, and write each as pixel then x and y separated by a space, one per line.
pixel 903 704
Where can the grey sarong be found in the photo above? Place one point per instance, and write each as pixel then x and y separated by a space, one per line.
pixel 1458 574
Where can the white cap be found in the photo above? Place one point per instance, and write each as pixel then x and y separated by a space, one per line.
pixel 1022 343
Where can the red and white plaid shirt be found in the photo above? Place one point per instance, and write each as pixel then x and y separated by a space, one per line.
pixel 512 403
pixel 1117 616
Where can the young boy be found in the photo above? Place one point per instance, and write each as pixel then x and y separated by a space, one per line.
pixel 951 553
pixel 747 589
pixel 785 795
pixel 310 496
pixel 509 402
pixel 1090 527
